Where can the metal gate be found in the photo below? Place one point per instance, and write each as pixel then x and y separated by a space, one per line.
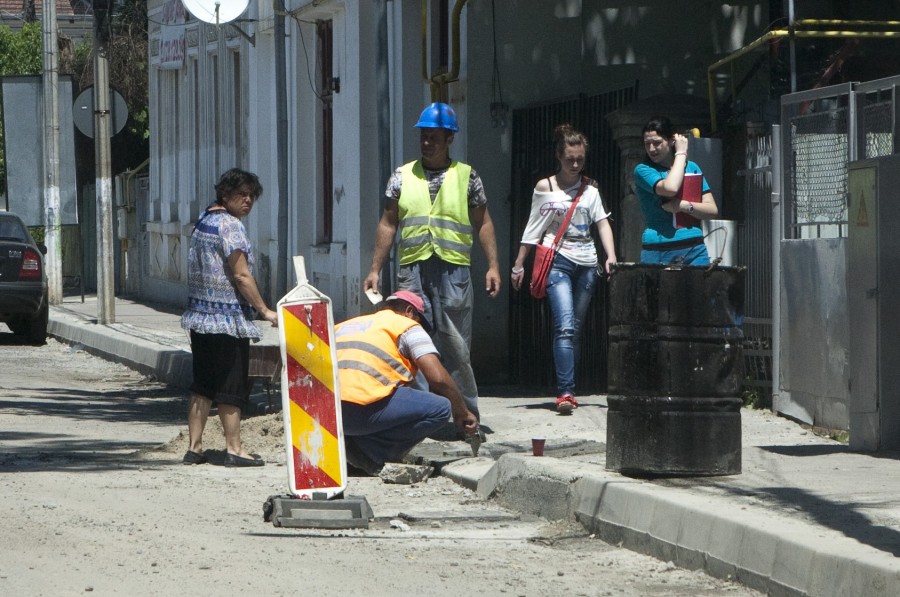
pixel 822 131
pixel 754 250
pixel 533 157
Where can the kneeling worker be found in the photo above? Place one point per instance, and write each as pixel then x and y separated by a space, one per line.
pixel 378 358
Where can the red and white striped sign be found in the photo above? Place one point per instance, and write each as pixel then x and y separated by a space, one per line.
pixel 310 394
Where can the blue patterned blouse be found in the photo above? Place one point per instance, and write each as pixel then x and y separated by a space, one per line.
pixel 214 304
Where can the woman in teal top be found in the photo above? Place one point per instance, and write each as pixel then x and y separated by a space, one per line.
pixel 658 180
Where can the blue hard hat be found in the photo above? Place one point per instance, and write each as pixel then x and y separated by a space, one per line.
pixel 438 116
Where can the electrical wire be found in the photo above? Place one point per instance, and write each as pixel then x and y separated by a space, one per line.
pixel 312 84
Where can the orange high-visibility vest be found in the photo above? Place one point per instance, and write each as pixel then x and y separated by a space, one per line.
pixel 370 366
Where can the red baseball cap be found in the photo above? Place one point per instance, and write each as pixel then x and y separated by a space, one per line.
pixel 410 297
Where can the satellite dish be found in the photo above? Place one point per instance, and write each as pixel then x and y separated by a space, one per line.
pixel 216 11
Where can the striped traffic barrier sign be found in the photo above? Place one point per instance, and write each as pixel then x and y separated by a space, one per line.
pixel 310 394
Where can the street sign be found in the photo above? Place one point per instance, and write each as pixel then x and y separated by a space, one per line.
pixel 83 112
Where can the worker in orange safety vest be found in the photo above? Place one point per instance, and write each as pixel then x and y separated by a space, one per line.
pixel 379 356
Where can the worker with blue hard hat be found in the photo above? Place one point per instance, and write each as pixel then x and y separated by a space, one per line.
pixel 438 116
pixel 439 206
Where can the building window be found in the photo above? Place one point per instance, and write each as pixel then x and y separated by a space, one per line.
pixel 215 112
pixel 325 53
pixel 238 118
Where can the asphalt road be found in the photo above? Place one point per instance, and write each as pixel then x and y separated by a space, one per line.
pixel 97 501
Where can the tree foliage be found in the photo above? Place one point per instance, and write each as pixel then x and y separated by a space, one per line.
pixel 21 53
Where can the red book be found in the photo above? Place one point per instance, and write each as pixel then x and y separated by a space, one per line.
pixel 691 190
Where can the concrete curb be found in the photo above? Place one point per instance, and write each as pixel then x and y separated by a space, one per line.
pixel 477 474
pixel 170 365
pixel 762 550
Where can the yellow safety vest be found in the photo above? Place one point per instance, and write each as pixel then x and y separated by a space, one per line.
pixel 370 366
pixel 442 227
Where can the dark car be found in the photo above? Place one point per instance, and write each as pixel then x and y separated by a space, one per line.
pixel 23 283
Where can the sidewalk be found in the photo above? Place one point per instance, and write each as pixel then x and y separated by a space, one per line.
pixel 805 517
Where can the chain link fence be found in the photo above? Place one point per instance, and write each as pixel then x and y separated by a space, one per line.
pixel 818 151
pixel 877 124
pixel 823 131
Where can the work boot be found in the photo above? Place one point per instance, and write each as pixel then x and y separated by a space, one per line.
pixel 358 460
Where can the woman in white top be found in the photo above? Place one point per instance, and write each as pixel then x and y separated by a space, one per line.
pixel 570 285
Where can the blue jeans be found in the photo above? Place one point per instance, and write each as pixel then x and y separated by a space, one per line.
pixel 696 255
pixel 570 288
pixel 447 291
pixel 387 429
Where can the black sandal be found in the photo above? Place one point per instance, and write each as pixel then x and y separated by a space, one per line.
pixel 193 458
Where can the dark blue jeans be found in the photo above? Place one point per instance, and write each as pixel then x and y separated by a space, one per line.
pixel 387 429
pixel 447 291
pixel 570 288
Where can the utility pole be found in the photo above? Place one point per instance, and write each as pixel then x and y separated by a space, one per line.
pixel 52 215
pixel 106 304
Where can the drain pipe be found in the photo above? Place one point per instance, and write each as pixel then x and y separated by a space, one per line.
pixel 129 202
pixel 281 150
pixel 129 207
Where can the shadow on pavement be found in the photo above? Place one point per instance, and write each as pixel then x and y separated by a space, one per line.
pixel 65 453
pixel 152 406
pixel 811 450
pixel 840 516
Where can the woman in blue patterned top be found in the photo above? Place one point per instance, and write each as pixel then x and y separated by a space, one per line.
pixel 658 181
pixel 223 300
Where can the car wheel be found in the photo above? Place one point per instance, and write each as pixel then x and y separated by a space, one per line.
pixel 36 331
pixel 18 326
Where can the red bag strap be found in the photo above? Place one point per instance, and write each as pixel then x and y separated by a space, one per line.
pixel 565 224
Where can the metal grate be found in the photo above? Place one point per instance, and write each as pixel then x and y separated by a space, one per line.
pixel 754 244
pixel 754 250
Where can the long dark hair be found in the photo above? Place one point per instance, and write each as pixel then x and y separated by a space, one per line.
pixel 660 125
pixel 233 180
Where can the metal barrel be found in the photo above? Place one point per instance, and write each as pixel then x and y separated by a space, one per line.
pixel 675 370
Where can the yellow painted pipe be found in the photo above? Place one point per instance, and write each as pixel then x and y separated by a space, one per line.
pixel 439 82
pixel 832 22
pixel 781 33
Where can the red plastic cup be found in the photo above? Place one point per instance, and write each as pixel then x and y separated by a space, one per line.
pixel 537 446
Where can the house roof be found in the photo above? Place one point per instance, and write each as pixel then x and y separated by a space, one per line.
pixel 12 9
